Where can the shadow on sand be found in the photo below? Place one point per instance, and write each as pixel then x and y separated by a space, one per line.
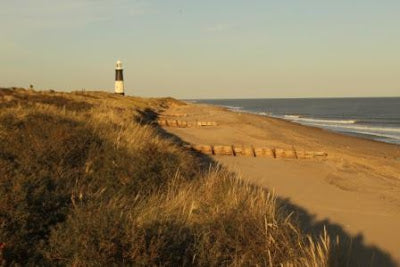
pixel 349 251
pixel 346 249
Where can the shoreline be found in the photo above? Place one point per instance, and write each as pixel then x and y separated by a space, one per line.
pixel 384 138
pixel 342 134
pixel 356 188
pixel 348 134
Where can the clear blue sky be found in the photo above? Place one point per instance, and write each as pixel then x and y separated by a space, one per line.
pixel 204 49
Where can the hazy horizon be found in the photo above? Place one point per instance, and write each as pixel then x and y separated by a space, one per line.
pixel 204 50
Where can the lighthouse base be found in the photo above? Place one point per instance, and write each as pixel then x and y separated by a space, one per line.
pixel 120 94
pixel 119 87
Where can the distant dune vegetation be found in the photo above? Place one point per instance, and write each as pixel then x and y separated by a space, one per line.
pixel 88 178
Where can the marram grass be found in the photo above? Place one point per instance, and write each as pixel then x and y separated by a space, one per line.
pixel 86 180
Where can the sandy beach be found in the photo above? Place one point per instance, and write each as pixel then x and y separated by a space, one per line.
pixel 354 192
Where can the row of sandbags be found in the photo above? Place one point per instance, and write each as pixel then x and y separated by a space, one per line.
pixel 175 115
pixel 250 151
pixel 184 124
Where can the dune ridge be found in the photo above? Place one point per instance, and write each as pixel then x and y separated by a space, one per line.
pixel 88 178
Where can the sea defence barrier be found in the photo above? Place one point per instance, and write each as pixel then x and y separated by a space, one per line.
pixel 185 124
pixel 174 115
pixel 260 152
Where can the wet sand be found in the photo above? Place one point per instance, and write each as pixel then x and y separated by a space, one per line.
pixel 354 192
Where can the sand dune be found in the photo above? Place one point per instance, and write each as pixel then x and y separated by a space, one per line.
pixel 354 192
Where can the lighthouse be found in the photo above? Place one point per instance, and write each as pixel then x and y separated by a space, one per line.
pixel 119 79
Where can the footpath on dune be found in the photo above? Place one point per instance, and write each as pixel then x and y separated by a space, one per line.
pixel 354 192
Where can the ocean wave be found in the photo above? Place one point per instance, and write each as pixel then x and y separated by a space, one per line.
pixel 233 108
pixel 264 113
pixel 350 126
pixel 358 127
pixel 371 128
pixel 382 125
pixel 377 121
pixel 389 136
pixel 292 117
pixel 313 120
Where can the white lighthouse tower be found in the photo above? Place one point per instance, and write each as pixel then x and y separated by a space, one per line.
pixel 119 79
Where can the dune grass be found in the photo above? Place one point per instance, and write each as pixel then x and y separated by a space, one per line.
pixel 85 180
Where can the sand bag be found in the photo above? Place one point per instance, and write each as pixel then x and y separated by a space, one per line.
pixel 264 152
pixel 301 154
pixel 243 151
pixel 187 146
pixel 172 123
pixel 162 122
pixel 223 150
pixel 320 154
pixel 182 124
pixel 176 115
pixel 205 149
pixel 285 153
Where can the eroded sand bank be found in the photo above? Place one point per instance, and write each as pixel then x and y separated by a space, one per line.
pixel 354 192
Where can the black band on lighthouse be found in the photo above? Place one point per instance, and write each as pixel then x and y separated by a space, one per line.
pixel 118 75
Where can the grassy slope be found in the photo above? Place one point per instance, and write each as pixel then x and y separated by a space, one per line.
pixel 83 181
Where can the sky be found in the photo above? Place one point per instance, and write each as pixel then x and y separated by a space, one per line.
pixel 204 48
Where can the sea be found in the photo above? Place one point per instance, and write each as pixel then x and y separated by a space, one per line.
pixel 372 118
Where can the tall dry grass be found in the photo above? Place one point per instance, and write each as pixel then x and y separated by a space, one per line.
pixel 84 181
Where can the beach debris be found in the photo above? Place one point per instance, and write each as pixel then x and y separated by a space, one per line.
pixel 262 152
